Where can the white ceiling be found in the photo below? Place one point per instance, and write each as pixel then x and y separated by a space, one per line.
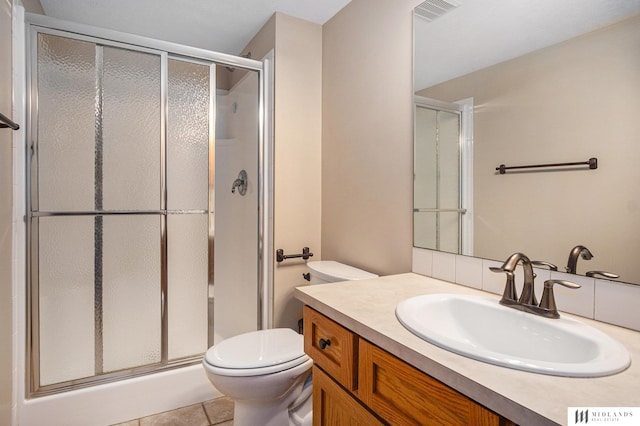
pixel 480 33
pixel 473 36
pixel 220 25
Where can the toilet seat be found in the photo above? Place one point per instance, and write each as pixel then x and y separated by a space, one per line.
pixel 257 353
pixel 262 371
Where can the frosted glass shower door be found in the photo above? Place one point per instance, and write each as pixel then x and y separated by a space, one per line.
pixel 122 208
pixel 188 161
pixel 130 181
pixel 120 176
pixel 95 205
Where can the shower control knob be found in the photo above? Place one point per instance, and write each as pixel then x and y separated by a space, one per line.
pixel 307 276
pixel 322 343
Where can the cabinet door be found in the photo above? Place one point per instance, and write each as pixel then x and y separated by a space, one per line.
pixel 332 347
pixel 332 405
pixel 402 395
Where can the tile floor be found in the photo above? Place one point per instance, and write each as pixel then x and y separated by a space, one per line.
pixel 217 412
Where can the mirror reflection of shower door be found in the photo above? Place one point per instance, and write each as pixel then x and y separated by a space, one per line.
pixel 121 174
pixel 437 182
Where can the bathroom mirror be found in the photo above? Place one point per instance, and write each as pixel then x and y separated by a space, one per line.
pixel 553 81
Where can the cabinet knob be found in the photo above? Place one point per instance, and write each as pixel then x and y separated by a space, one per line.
pixel 322 343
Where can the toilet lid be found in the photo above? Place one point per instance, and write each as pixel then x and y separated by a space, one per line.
pixel 257 349
pixel 331 271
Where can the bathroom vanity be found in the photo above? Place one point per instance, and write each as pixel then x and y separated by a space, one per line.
pixel 357 370
pixel 369 369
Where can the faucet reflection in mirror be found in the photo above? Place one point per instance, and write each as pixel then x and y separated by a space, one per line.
pixel 551 103
pixel 585 253
pixel 527 301
pixel 577 251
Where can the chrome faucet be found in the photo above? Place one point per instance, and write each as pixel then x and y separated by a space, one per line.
pixel 527 301
pixel 577 251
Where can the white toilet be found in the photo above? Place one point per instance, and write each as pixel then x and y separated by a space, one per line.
pixel 266 372
pixel 328 271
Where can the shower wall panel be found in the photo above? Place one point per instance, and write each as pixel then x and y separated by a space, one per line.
pixel 236 292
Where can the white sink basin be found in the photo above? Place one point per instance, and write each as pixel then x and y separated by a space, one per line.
pixel 482 329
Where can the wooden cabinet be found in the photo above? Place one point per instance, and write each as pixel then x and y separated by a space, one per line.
pixel 332 347
pixel 332 405
pixel 403 395
pixel 355 382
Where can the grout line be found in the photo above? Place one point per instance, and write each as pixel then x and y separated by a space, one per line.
pixel 209 421
pixel 205 413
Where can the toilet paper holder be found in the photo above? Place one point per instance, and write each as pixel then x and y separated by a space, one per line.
pixel 280 256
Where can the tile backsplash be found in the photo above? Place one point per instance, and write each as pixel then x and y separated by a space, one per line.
pixel 603 300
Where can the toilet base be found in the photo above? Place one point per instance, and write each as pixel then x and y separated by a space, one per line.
pixel 303 414
pixel 251 413
pixel 293 410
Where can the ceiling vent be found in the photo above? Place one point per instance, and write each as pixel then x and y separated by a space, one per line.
pixel 433 9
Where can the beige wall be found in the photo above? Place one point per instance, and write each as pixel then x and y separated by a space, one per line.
pixel 569 102
pixel 33 6
pixel 367 134
pixel 297 48
pixel 6 194
pixel 297 194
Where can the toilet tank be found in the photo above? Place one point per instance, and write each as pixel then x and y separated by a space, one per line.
pixel 328 271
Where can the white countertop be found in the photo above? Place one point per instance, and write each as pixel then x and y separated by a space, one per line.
pixel 367 308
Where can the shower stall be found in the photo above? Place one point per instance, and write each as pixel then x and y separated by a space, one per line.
pixel 139 255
